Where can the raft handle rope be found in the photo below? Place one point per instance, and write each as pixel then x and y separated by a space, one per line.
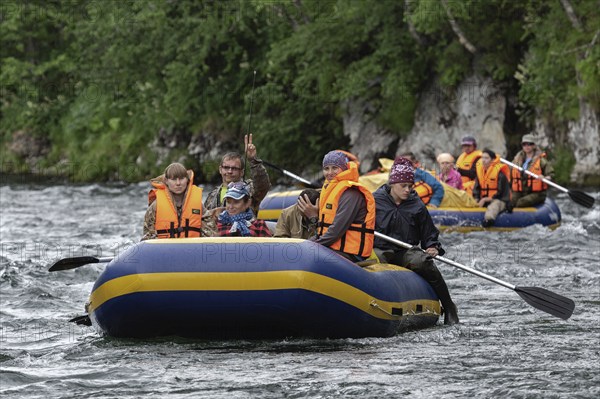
pixel 411 312
pixel 376 306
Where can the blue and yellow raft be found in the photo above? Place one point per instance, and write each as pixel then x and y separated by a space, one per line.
pixel 255 288
pixel 446 219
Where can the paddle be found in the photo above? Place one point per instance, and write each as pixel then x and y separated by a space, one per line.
pixel 540 298
pixel 290 174
pixel 82 320
pixel 73 263
pixel 578 196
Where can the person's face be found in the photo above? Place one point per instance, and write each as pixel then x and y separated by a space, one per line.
pixel 177 185
pixel 231 170
pixel 468 148
pixel 414 162
pixel 486 160
pixel 446 166
pixel 235 206
pixel 400 191
pixel 528 148
pixel 331 171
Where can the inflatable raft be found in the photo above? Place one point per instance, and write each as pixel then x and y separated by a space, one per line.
pixel 446 219
pixel 255 288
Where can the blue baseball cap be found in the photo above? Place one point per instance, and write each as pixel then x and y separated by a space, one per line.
pixel 237 190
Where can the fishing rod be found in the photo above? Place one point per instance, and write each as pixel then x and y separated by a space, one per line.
pixel 249 125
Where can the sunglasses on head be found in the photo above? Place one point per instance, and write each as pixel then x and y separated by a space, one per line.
pixel 238 185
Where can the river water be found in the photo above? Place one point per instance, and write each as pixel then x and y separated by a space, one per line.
pixel 502 348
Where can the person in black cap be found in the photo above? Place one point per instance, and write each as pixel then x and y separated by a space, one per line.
pixel 491 186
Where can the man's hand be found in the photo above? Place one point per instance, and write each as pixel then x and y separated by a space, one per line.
pixel 484 201
pixel 309 210
pixel 249 147
pixel 432 251
pixel 214 213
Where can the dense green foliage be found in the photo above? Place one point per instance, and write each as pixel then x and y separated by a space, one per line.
pixel 98 80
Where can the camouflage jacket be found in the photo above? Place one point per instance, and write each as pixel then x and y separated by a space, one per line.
pixel 259 185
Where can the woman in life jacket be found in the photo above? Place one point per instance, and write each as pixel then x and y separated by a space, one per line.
pixel 174 206
pixel 345 211
pixel 238 218
pixel 465 164
pixel 527 190
pixel 491 188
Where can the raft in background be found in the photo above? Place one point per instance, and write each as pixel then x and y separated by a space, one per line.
pixel 230 287
pixel 446 219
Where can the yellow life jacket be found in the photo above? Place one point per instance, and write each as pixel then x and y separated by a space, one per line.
pixel 536 185
pixel 358 239
pixel 167 224
pixel 466 161
pixel 468 186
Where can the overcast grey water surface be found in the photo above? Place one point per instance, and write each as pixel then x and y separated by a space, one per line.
pixel 502 348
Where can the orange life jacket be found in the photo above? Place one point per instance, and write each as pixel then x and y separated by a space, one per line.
pixel 488 179
pixel 424 191
pixel 536 185
pixel 167 224
pixel 358 239
pixel 466 161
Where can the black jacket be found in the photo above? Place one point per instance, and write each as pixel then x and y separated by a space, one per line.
pixel 409 222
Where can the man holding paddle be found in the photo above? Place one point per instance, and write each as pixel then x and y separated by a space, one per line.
pixel 528 190
pixel 400 214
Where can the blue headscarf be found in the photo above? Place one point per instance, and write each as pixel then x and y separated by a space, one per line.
pixel 240 222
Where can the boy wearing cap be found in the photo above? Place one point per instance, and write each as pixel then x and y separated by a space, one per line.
pixel 238 219
pixel 465 164
pixel 527 190
pixel 346 210
pixel 402 215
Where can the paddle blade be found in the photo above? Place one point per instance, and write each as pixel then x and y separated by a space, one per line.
pixel 72 263
pixel 582 198
pixel 82 320
pixel 547 301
